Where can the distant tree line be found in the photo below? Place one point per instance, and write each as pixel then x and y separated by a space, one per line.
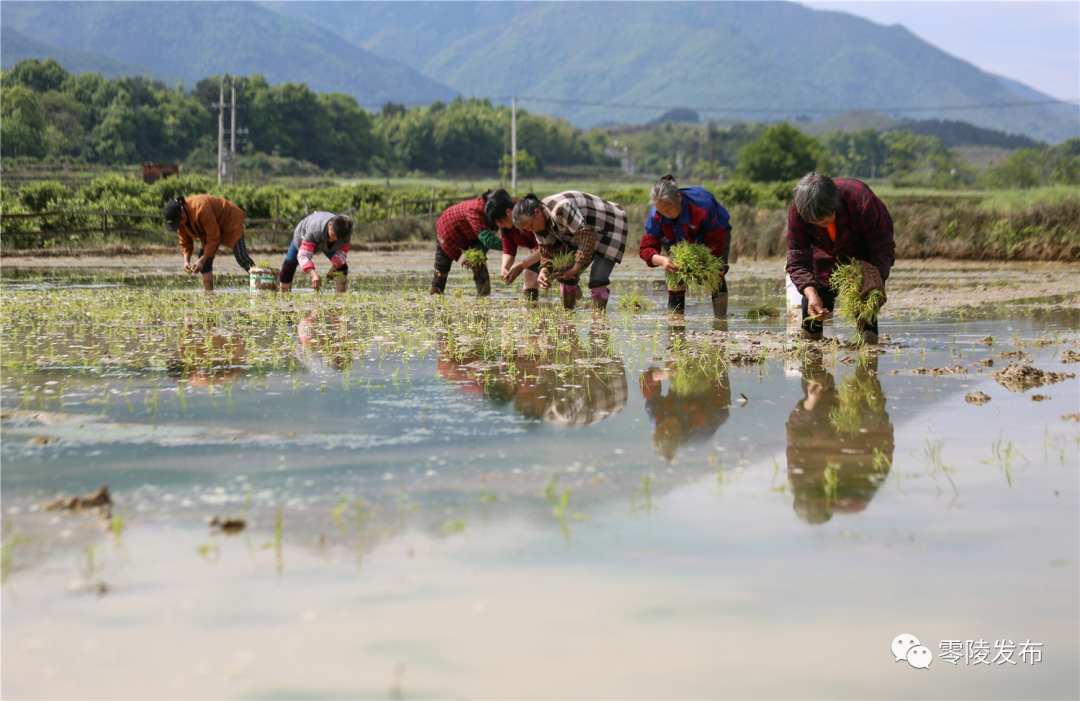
pixel 50 114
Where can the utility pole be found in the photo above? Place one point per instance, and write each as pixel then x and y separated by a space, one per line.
pixel 232 136
pixel 220 128
pixel 513 145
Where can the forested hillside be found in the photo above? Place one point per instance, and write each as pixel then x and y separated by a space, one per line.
pixel 726 55
pixel 194 40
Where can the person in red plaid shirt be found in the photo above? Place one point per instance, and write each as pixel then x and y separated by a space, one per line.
pixel 459 228
pixel 833 222
pixel 686 214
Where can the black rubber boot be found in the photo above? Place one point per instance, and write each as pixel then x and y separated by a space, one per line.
pixel 676 302
pixel 438 283
pixel 483 281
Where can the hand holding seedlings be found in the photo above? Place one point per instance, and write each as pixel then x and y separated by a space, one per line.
pixel 666 263
pixel 316 281
pixel 814 306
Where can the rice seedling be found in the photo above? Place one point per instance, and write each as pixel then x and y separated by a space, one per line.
pixel 632 302
pixel 846 281
pixel 699 269
pixel 562 261
pixel 475 257
pixel 762 311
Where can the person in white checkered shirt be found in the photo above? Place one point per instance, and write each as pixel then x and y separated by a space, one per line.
pixel 593 228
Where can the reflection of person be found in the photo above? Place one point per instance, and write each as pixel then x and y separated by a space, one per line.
pixel 214 222
pixel 203 364
pixel 696 405
pixel 319 232
pixel 685 214
pixel 832 222
pixel 458 229
pixel 593 228
pixel 318 356
pixel 545 387
pixel 832 434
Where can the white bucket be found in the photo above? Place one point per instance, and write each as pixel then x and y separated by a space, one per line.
pixel 263 279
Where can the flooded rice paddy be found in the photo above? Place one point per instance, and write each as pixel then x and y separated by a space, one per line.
pixel 419 498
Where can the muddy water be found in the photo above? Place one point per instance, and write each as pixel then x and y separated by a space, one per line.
pixel 588 518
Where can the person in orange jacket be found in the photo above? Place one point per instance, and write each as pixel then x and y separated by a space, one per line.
pixel 214 222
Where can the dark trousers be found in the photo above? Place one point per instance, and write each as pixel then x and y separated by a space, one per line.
pixel 828 298
pixel 443 264
pixel 240 253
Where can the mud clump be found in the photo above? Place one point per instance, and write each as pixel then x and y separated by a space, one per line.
pixel 1039 397
pixel 986 362
pixel 977 398
pixel 227 524
pixel 1016 355
pixel 1070 356
pixel 1021 378
pixel 100 501
pixel 987 341
pixel 1071 417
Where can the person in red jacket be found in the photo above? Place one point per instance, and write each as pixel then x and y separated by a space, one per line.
pixel 685 214
pixel 832 222
pixel 459 228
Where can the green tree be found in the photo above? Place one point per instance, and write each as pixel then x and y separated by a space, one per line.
pixel 22 125
pixel 782 153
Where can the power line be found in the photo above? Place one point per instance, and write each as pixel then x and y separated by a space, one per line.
pixel 792 110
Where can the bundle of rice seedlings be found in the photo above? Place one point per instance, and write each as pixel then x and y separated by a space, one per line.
pixel 698 268
pixel 632 302
pixel 562 261
pixel 475 257
pixel 264 264
pixel 762 311
pixel 847 282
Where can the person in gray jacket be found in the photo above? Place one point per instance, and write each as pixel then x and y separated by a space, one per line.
pixel 327 233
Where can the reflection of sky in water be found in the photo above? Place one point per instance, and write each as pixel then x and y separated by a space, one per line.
pixel 683 564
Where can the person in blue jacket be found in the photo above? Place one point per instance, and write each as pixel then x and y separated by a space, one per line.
pixel 686 214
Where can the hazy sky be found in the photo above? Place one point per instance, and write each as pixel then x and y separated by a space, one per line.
pixel 1036 43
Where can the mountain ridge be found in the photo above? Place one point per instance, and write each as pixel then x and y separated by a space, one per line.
pixel 239 38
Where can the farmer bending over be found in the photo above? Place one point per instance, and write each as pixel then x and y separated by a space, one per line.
pixel 459 228
pixel 593 228
pixel 833 222
pixel 214 222
pixel 329 234
pixel 686 214
pixel 512 239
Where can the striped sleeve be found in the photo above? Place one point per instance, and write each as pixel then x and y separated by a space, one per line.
pixel 339 258
pixel 305 256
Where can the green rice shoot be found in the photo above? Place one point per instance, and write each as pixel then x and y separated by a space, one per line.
pixel 699 269
pixel 475 257
pixel 847 281
pixel 632 302
pixel 857 397
pixel 563 261
pixel 691 381
pixel 264 264
pixel 762 311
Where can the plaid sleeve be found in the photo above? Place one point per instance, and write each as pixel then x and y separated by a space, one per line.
pixel 548 251
pixel 585 243
pixel 509 245
pixel 800 255
pixel 459 227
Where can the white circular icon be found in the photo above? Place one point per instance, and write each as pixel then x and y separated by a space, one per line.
pixel 920 657
pixel 901 644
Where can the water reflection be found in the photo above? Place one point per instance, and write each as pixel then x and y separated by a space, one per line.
pixel 572 384
pixel 839 441
pixel 207 355
pixel 320 344
pixel 695 406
